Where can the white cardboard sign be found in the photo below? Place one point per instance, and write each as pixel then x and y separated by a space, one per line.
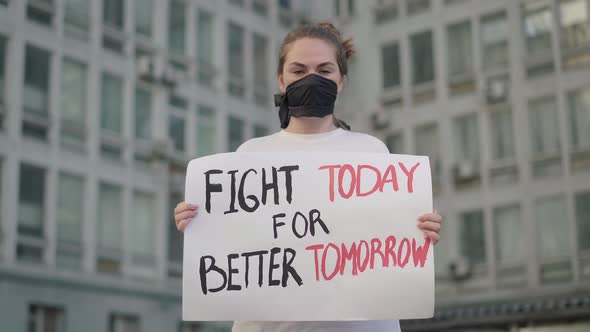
pixel 308 236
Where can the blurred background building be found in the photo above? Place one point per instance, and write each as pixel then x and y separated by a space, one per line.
pixel 103 102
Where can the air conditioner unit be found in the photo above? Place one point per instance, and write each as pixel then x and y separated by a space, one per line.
pixel 146 68
pixel 465 171
pixel 496 91
pixel 379 120
pixel 162 149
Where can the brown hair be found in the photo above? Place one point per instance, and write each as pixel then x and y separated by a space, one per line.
pixel 328 33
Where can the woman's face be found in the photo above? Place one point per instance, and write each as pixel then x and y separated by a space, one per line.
pixel 310 56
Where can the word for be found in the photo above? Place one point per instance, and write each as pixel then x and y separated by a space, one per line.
pixel 362 256
pixel 271 185
pixel 300 224
pixel 347 190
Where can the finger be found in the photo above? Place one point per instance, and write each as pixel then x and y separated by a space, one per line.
pixel 184 215
pixel 434 237
pixel 430 217
pixel 436 211
pixel 182 206
pixel 429 226
pixel 183 223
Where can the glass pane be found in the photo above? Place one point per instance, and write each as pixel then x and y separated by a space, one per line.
pixel 472 237
pixel 141 233
pixel 466 138
pixel 143 114
pixel 175 238
pixel 36 90
pixel 236 133
pixel 235 48
pixel 494 34
pixel 108 223
pixel 205 131
pixel 538 23
pixel 395 143
pixel 501 134
pixel 205 37
pixel 417 6
pixel 583 220
pixel 460 48
pixel 579 104
pixel 390 65
pixel 544 126
pixel 176 127
pixel 423 57
pixel 31 200
pixel 77 13
pixel 111 103
pixel 427 144
pixel 552 227
pixel 113 13
pixel 73 91
pixel 143 17
pixel 70 212
pixel 260 61
pixel 177 26
pixel 507 234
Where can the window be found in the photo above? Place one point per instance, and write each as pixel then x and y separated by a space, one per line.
pixel 205 131
pixel 417 6
pixel 390 65
pixel 235 133
pixel 552 227
pixel 31 213
pixel 141 235
pixel 177 26
pixel 205 47
pixel 582 201
pixel 466 138
pixel 427 144
pixel 235 47
pixel 111 114
pixel 73 101
pixel 143 17
pixel 41 11
pixel 579 105
pixel 395 143
pixel 507 234
pixel 177 123
pixel 472 237
pixel 123 323
pixel 538 23
pixel 109 229
pixel 3 45
pixel 191 326
pixel 494 41
pixel 69 221
pixel 260 70
pixel 36 92
pixel 385 11
pixel 239 3
pixel 575 25
pixel 44 318
pixel 113 20
pixel 423 57
pixel 260 131
pixel 77 14
pixel 260 7
pixel 143 114
pixel 544 126
pixel 175 240
pixel 337 8
pixel 502 138
pixel 460 49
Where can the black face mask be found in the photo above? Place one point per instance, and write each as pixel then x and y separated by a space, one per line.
pixel 311 96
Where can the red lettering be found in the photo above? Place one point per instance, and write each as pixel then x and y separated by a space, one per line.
pixel 346 167
pixel 362 266
pixel 376 249
pixel 390 176
pixel 405 260
pixel 358 181
pixel 410 175
pixel 315 249
pixel 331 168
pixel 389 249
pixel 336 267
pixel 419 253
pixel 348 255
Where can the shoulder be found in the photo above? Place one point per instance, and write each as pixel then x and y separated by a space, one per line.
pixel 368 142
pixel 257 144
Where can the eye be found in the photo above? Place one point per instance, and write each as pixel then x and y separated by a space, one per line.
pixel 325 71
pixel 297 72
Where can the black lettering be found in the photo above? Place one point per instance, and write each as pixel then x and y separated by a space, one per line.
pixel 211 187
pixel 230 272
pixel 294 222
pixel 276 224
pixel 314 217
pixel 232 203
pixel 288 269
pixel 260 261
pixel 242 199
pixel 272 266
pixel 289 180
pixel 266 186
pixel 203 270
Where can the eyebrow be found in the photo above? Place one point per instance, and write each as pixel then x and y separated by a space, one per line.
pixel 323 64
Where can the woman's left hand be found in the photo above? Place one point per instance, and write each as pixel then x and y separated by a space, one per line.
pixel 430 224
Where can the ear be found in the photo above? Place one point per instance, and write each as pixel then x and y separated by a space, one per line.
pixel 281 83
pixel 341 84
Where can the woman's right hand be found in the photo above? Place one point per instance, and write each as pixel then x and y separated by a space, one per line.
pixel 183 214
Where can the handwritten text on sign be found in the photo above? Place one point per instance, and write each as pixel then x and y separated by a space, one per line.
pixel 308 237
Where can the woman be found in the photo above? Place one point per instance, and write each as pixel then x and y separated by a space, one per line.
pixel 311 71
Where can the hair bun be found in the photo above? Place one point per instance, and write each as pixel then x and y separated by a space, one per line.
pixel 347 44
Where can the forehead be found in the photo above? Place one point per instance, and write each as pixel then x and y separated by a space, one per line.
pixel 310 52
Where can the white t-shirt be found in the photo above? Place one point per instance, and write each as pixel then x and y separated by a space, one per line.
pixel 338 140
